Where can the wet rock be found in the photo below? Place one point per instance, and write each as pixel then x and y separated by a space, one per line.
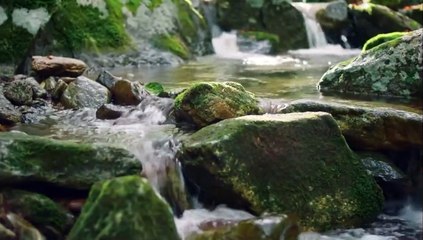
pixel 68 80
pixel 57 66
pixel 84 92
pixel 257 163
pixel 110 111
pixel 8 112
pixel 124 208
pixel 265 228
pixel 125 92
pixel 19 92
pixel 333 17
pixel 391 69
pixel 264 16
pixel 49 84
pixel 6 234
pixel 59 89
pixel 39 210
pixel 107 79
pixel 370 20
pixel 369 128
pixel 27 158
pixel 394 183
pixel 23 228
pixel 207 103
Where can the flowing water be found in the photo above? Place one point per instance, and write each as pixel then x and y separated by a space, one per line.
pixel 150 134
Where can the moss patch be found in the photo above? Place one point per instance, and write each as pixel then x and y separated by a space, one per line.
pixel 382 38
pixel 173 44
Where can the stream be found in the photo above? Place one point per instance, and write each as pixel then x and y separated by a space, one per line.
pixel 152 137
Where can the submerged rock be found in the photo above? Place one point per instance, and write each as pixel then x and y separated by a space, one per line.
pixel 125 92
pixel 390 69
pixel 369 128
pixel 207 103
pixel 296 163
pixel 84 92
pixel 265 228
pixel 8 113
pixel 39 210
pixel 58 66
pixel 27 159
pixel 124 208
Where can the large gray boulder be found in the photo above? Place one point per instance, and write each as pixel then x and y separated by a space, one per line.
pixel 390 69
pixel 27 158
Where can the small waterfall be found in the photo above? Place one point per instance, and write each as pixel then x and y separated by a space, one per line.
pixel 315 35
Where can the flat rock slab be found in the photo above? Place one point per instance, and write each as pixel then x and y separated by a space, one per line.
pixel 28 159
pixel 369 128
pixel 57 66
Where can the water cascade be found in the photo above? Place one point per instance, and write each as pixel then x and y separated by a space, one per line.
pixel 315 35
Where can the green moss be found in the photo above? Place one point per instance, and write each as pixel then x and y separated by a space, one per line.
pixel 124 208
pixel 154 88
pixel 263 36
pixel 64 163
pixel 382 38
pixel 13 47
pixel 272 164
pixel 83 27
pixel 173 44
pixel 388 3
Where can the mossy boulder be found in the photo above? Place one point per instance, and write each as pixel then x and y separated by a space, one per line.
pixel 370 20
pixel 27 159
pixel 84 92
pixel 124 208
pixel 38 209
pixel 207 103
pixel 381 38
pixel 265 228
pixel 273 17
pixel 390 69
pixel 296 163
pixel 367 128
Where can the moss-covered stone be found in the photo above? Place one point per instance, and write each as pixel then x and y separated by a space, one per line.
pixel 381 38
pixel 295 163
pixel 367 128
pixel 39 210
pixel 8 113
pixel 207 103
pixel 266 228
pixel 393 4
pixel 372 19
pixel 36 159
pixel 390 69
pixel 124 208
pixel 274 17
